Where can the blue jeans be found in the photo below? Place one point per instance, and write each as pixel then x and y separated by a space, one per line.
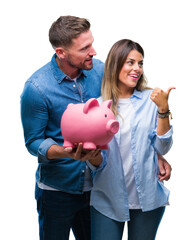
pixel 59 212
pixel 142 225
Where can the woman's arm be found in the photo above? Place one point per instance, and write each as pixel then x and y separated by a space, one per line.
pixel 160 98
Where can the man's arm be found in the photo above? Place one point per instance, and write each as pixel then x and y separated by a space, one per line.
pixel 164 168
pixel 94 156
pixel 34 116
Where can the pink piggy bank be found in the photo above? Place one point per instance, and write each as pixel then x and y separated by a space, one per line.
pixel 89 123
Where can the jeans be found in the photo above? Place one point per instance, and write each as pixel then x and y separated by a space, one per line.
pixel 59 212
pixel 142 225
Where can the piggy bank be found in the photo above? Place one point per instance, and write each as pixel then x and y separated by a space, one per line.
pixel 89 123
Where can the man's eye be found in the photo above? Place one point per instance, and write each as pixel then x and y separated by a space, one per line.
pixel 85 48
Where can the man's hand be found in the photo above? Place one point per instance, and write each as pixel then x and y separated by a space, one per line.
pixel 164 169
pixel 94 156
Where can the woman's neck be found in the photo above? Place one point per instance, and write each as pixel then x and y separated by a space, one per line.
pixel 126 94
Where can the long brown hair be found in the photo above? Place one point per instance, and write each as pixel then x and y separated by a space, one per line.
pixel 113 65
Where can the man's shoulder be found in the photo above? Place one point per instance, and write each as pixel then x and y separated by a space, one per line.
pixel 98 65
pixel 97 70
pixel 97 62
pixel 40 74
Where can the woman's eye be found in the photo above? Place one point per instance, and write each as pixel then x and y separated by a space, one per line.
pixel 106 115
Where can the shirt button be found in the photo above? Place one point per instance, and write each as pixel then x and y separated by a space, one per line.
pixel 74 85
pixel 83 171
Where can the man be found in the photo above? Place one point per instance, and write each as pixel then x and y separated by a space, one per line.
pixel 63 180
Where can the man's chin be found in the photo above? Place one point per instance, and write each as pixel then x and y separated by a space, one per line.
pixel 88 66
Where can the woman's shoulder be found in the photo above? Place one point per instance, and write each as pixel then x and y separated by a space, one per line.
pixel 148 90
pixel 144 93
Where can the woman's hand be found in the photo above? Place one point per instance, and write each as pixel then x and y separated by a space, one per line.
pixel 160 98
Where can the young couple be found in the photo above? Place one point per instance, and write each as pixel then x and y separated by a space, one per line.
pixel 128 178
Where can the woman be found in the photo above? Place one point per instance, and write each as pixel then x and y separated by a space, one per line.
pixel 128 188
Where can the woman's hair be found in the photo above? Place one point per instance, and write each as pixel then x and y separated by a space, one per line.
pixel 113 65
pixel 66 28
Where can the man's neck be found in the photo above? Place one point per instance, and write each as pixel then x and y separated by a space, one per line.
pixel 68 70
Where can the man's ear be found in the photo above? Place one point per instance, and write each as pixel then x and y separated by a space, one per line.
pixel 60 52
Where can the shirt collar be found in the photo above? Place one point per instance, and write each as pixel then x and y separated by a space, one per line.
pixel 58 74
pixel 137 94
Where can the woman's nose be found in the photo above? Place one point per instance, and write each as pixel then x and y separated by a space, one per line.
pixel 136 67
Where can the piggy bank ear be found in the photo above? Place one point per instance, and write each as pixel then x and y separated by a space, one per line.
pixel 107 103
pixel 92 102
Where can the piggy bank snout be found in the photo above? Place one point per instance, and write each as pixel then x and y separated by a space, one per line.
pixel 112 126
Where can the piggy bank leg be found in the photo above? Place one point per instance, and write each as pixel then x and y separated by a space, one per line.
pixel 68 144
pixel 89 145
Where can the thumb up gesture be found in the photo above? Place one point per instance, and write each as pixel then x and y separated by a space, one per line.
pixel 160 98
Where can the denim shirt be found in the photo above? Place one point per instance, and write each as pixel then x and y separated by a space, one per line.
pixel 45 97
pixel 109 195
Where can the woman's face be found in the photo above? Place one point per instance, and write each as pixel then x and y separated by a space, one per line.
pixel 130 72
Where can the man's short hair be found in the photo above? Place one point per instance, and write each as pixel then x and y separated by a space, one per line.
pixel 66 28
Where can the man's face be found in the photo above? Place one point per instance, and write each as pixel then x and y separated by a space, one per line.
pixel 79 55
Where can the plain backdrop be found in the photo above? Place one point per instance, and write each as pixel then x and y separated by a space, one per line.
pixel 166 31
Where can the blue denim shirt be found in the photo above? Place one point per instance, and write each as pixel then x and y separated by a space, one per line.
pixel 109 194
pixel 44 99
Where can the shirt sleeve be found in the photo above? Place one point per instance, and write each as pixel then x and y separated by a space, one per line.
pixel 162 144
pixel 102 165
pixel 34 116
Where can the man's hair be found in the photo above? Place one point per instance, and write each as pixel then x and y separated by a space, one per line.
pixel 66 28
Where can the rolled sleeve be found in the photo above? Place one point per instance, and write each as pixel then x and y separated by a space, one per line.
pixel 43 148
pixel 163 143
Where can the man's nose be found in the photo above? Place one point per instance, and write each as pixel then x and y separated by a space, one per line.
pixel 92 52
